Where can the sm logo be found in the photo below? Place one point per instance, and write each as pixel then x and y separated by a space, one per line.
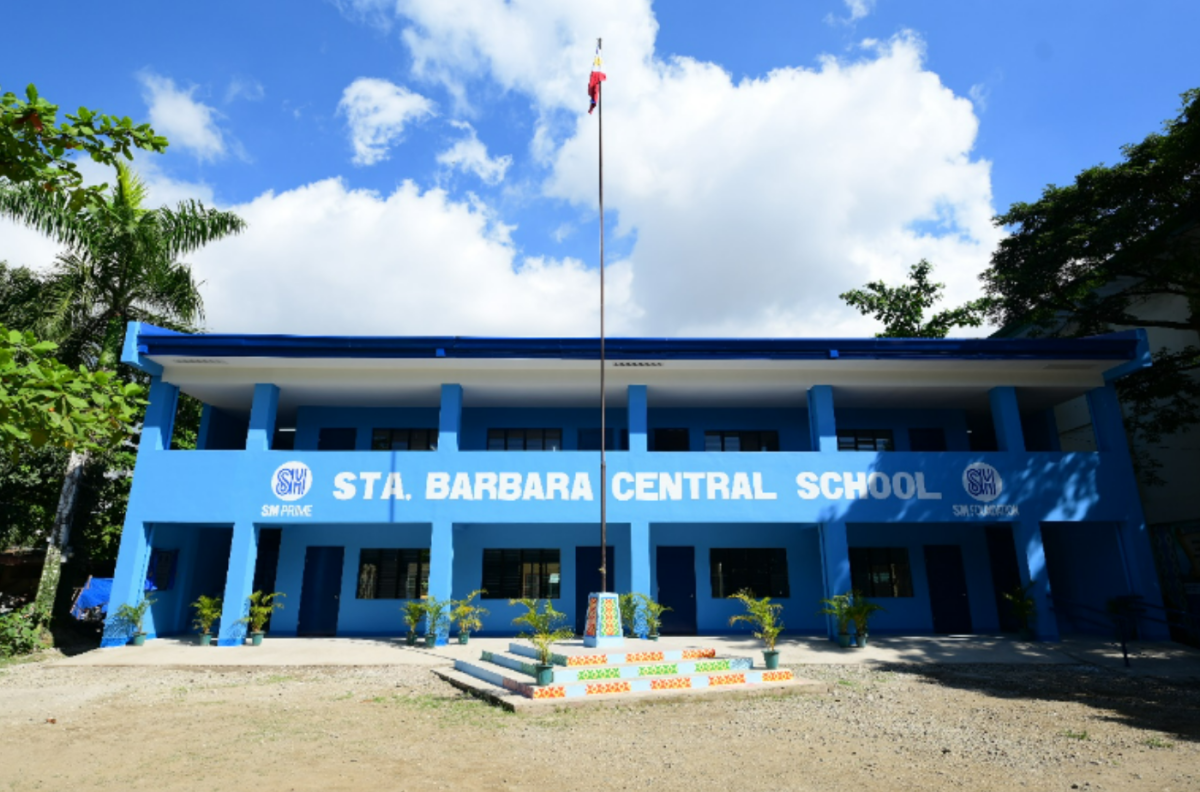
pixel 291 481
pixel 982 482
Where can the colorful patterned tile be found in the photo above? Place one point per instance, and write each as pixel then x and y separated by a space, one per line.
pixel 676 683
pixel 727 679
pixel 698 654
pixel 585 660
pixel 550 691
pixel 607 687
pixel 776 676
pixel 658 670
pixel 712 665
pixel 588 674
pixel 643 657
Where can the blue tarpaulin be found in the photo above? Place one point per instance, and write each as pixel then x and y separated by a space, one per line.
pixel 96 593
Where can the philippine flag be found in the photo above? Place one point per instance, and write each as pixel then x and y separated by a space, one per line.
pixel 594 81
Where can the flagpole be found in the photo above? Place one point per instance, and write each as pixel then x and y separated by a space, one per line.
pixel 603 401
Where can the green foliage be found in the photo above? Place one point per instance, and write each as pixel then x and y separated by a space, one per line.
pixel 652 612
pixel 34 146
pixel 437 614
pixel 838 606
pixel 761 614
pixel 128 618
pixel 261 607
pixel 543 626
pixel 902 308
pixel 627 604
pixel 20 632
pixel 466 616
pixel 45 402
pixel 414 611
pixel 208 610
pixel 1024 607
pixel 861 611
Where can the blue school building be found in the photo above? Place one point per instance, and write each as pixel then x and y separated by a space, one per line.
pixel 355 473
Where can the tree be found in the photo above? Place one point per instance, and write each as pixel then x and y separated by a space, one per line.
pixel 34 148
pixel 120 265
pixel 1119 247
pixel 902 308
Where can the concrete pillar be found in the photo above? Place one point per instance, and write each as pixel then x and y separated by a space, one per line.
pixel 1006 415
pixel 206 417
pixel 262 418
pixel 835 565
pixel 637 415
pixel 1031 562
pixel 239 583
pixel 441 565
pixel 822 425
pixel 159 423
pixel 639 567
pixel 450 418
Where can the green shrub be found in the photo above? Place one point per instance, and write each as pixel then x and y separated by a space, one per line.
pixel 761 614
pixel 20 632
pixel 261 607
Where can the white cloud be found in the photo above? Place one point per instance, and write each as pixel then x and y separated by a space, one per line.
pixel 244 88
pixel 411 262
pixel 858 10
pixel 377 111
pixel 185 122
pixel 469 155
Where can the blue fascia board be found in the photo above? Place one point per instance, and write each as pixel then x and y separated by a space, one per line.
pixel 1142 358
pixel 153 341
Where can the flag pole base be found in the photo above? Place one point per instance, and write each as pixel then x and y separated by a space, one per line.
pixel 603 627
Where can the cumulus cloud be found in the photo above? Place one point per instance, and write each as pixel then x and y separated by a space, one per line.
pixel 469 155
pixel 376 112
pixel 244 88
pixel 186 122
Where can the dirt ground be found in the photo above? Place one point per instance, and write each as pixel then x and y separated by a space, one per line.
pixel 907 727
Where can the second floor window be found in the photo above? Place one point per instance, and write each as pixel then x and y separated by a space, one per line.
pixel 741 441
pixel 524 440
pixel 865 440
pixel 404 440
pixel 615 439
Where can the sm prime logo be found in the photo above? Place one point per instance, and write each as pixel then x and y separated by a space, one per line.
pixel 290 482
pixel 983 483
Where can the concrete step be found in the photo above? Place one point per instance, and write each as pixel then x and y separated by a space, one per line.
pixel 600 658
pixel 562 675
pixel 520 683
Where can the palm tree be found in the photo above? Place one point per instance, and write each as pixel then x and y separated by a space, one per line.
pixel 120 264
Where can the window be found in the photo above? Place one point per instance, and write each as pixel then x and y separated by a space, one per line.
pixel 393 573
pixel 761 570
pixel 336 439
pixel 589 439
pixel 741 441
pixel 881 571
pixel 524 440
pixel 865 440
pixel 927 439
pixel 404 440
pixel 511 574
pixel 671 440
pixel 284 440
pixel 161 571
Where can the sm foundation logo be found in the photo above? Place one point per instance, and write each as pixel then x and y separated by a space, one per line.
pixel 291 481
pixel 982 482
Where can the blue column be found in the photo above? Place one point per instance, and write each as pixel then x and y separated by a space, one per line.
pixel 835 564
pixel 441 565
pixel 239 583
pixel 205 425
pixel 637 418
pixel 450 417
pixel 1133 535
pixel 1031 562
pixel 129 578
pixel 1006 415
pixel 822 425
pixel 262 418
pixel 639 567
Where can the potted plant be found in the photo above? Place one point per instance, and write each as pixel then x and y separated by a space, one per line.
pixel 130 617
pixel 652 611
pixel 838 606
pixel 861 611
pixel 261 607
pixel 628 605
pixel 543 628
pixel 208 610
pixel 467 617
pixel 763 615
pixel 414 611
pixel 1024 609
pixel 437 618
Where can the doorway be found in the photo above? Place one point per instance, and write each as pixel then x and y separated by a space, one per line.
pixel 587 579
pixel 320 592
pixel 947 589
pixel 676 571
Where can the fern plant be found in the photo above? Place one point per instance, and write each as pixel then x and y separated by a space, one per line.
pixel 208 610
pixel 838 606
pixel 628 606
pixel 437 614
pixel 467 617
pixel 861 611
pixel 761 614
pixel 544 626
pixel 261 607
pixel 1024 607
pixel 130 617
pixel 414 611
pixel 652 611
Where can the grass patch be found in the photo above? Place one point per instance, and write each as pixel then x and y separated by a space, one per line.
pixel 1074 735
pixel 1156 742
pixel 277 679
pixel 850 683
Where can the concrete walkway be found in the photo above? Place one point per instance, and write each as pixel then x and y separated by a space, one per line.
pixel 1165 659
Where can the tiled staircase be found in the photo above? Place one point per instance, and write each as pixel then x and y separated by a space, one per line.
pixel 592 673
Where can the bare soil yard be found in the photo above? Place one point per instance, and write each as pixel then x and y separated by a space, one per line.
pixel 398 728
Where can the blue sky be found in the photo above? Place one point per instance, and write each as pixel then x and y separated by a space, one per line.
pixel 761 156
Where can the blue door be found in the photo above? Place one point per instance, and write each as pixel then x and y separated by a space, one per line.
pixel 947 589
pixel 320 592
pixel 587 579
pixel 676 571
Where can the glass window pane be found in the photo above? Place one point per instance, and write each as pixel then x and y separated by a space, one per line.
pixel 553 439
pixel 516 440
pixel 533 439
pixel 496 440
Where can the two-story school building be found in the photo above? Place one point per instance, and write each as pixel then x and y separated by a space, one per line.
pixel 355 473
